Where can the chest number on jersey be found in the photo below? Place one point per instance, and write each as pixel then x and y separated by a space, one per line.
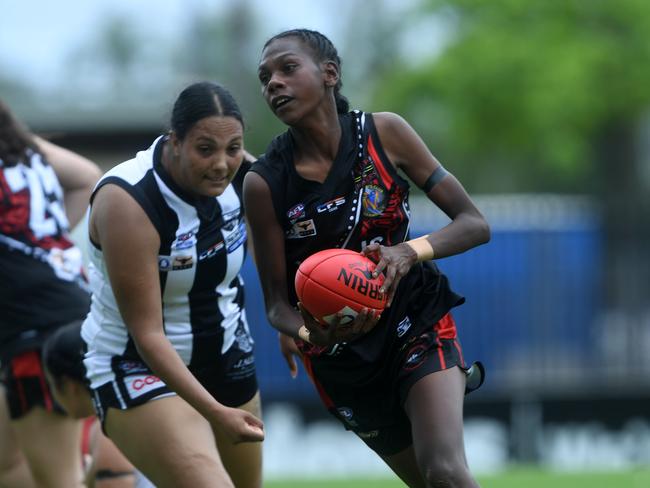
pixel 378 240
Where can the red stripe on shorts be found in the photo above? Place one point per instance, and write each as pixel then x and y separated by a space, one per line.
pixel 306 361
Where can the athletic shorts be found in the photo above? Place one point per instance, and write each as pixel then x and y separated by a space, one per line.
pixel 374 410
pixel 25 384
pixel 135 384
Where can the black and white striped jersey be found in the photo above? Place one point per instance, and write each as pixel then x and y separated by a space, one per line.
pixel 41 277
pixel 202 249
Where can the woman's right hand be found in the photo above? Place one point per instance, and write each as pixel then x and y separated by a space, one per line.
pixel 239 425
pixel 326 335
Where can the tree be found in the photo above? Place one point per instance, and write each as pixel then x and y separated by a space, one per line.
pixel 526 88
pixel 547 96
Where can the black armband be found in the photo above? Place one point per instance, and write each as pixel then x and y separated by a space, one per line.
pixel 105 474
pixel 434 179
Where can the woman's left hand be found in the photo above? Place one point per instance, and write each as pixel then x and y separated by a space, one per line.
pixel 326 335
pixel 393 261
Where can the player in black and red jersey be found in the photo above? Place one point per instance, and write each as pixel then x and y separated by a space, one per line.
pixel 44 191
pixel 332 181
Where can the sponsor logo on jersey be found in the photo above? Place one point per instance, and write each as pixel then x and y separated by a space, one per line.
pixel 230 220
pixel 140 384
pixel 236 238
pixel 185 241
pixel 296 212
pixel 304 228
pixel 182 262
pixel 403 326
pixel 360 282
pixel 331 206
pixel 373 200
pixel 210 252
pixel 415 357
pixel 244 340
pixel 174 263
pixel 131 367
pixel 347 415
pixel 244 363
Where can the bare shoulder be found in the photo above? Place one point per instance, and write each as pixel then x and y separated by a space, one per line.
pixel 387 122
pixel 116 214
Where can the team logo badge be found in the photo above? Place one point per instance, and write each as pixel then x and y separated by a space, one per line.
pixel 304 228
pixel 373 200
pixel 346 414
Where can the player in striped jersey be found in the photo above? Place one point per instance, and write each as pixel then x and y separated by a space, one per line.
pixel 44 190
pixel 332 181
pixel 170 355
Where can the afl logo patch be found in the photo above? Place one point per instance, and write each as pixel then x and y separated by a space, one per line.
pixel 296 212
pixel 373 200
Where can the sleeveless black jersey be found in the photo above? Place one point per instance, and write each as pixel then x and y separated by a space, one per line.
pixel 362 200
pixel 41 279
pixel 202 249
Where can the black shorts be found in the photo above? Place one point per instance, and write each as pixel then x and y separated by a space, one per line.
pixel 25 384
pixel 135 384
pixel 374 410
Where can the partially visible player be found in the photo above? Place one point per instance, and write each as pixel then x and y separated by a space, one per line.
pixel 63 354
pixel 332 181
pixel 44 191
pixel 170 355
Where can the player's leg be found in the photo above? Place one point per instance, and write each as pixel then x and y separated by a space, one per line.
pixel 434 405
pixel 243 461
pixel 169 442
pixel 406 467
pixel 14 471
pixel 48 439
pixel 51 444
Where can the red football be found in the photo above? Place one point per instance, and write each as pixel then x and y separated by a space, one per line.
pixel 338 280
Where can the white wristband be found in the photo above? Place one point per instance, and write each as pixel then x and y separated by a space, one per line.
pixel 422 248
pixel 304 333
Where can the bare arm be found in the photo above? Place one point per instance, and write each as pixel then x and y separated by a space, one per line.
pixel 130 245
pixel 407 151
pixel 269 257
pixel 76 174
pixel 467 228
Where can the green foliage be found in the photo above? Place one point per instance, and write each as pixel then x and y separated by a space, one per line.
pixel 522 90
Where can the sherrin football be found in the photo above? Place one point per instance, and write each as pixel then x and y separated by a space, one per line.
pixel 338 280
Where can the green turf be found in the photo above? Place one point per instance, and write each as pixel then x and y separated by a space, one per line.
pixel 516 478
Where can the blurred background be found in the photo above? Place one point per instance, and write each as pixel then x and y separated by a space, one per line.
pixel 542 110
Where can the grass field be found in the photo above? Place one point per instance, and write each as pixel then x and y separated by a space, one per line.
pixel 517 478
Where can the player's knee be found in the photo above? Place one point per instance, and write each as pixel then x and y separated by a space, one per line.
pixel 446 473
pixel 11 462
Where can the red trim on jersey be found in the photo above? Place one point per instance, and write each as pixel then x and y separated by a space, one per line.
pixel 379 164
pixel 441 354
pixel 446 327
pixel 28 365
pixel 306 361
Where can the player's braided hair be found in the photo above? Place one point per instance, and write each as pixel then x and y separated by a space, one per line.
pixel 323 50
